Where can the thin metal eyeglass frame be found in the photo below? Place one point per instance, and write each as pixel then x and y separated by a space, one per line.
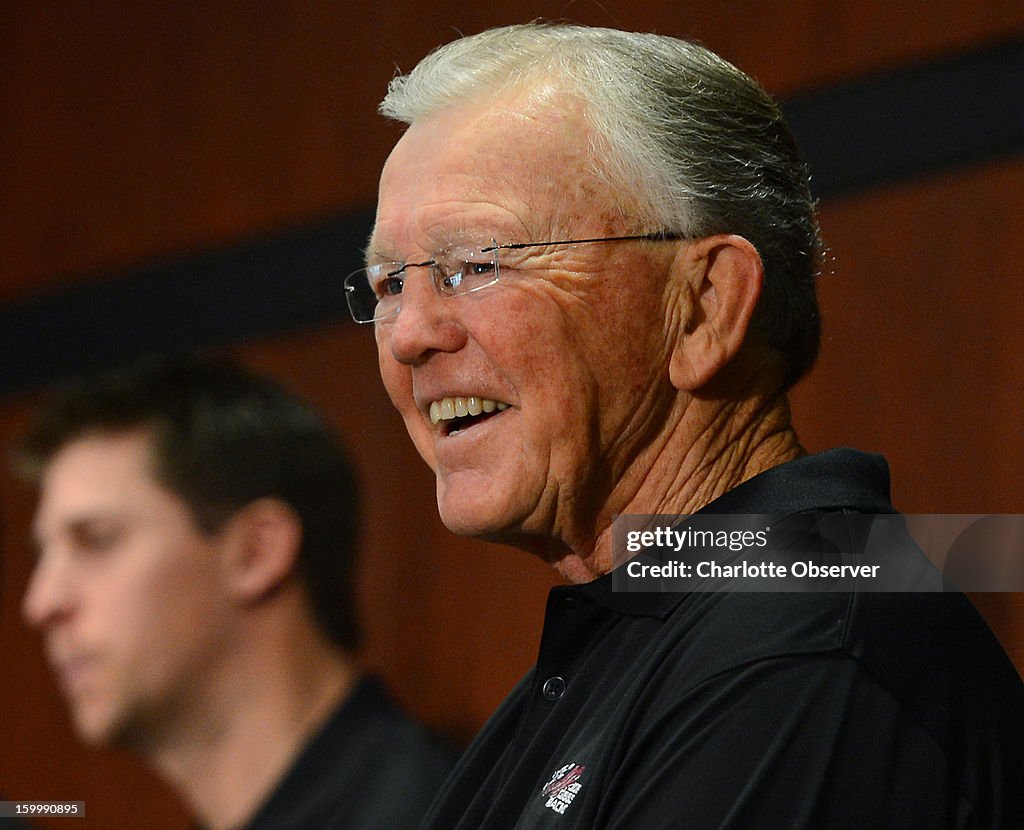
pixel 660 236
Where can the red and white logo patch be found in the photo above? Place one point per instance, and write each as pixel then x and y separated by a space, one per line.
pixel 563 787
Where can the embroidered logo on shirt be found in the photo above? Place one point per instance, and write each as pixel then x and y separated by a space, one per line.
pixel 563 787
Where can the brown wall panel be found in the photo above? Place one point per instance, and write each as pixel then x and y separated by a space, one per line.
pixel 132 131
pixel 922 357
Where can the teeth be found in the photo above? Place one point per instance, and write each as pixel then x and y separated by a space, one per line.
pixel 448 408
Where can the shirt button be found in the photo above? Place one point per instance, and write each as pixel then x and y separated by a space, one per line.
pixel 554 688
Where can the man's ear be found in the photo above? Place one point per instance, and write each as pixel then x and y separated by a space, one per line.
pixel 723 276
pixel 261 549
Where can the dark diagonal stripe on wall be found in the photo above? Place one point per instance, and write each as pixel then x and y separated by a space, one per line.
pixel 885 128
pixel 282 282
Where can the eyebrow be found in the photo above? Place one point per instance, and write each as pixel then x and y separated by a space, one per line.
pixel 76 523
pixel 372 253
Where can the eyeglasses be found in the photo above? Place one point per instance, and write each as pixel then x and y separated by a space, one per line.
pixel 375 293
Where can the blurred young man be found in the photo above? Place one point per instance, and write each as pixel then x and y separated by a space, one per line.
pixel 196 532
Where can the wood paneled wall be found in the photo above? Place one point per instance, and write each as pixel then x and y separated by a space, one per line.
pixel 135 132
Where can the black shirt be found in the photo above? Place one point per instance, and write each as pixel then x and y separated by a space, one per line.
pixel 369 768
pixel 755 710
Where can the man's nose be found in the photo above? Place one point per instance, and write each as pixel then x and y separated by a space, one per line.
pixel 427 322
pixel 48 595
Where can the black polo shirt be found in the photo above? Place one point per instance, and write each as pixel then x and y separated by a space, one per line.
pixel 370 767
pixel 755 710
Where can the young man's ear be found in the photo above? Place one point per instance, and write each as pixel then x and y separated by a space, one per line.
pixel 723 276
pixel 261 548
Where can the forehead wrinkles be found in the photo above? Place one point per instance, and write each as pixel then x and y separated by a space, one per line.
pixel 445 223
pixel 515 174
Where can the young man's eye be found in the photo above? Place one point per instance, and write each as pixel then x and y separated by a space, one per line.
pixel 96 539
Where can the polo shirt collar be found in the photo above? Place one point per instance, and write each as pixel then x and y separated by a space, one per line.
pixel 834 479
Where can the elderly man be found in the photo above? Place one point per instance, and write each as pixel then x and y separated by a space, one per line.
pixel 196 529
pixel 592 282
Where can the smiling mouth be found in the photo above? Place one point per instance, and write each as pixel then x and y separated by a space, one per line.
pixel 456 414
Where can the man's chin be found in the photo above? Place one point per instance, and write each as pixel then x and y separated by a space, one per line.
pixel 461 524
pixel 99 729
pixel 476 520
pixel 502 531
pixel 471 504
pixel 93 733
